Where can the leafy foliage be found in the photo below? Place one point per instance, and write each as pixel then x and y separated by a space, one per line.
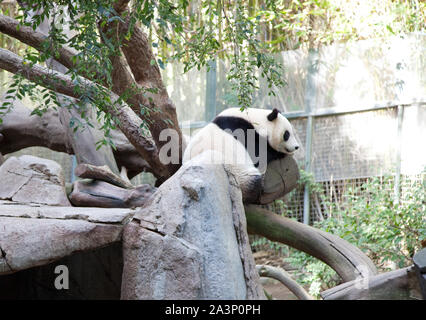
pixel 369 218
pixel 245 32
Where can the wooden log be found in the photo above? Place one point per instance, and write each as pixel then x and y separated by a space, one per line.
pixel 280 178
pixel 347 260
pixel 419 260
pixel 105 195
pixel 102 173
pixel 282 276
pixel 400 284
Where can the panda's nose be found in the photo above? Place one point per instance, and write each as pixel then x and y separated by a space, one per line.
pixel 296 147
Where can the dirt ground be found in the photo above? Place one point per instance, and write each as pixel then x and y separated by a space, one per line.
pixel 275 288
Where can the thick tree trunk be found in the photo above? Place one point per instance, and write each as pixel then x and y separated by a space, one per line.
pixel 146 78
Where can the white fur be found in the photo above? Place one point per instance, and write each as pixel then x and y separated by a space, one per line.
pixel 275 129
pixel 231 153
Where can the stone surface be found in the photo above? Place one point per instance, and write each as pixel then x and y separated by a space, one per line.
pixel 36 235
pixel 93 274
pixel 30 179
pixel 183 243
pixel 159 266
pixel 36 211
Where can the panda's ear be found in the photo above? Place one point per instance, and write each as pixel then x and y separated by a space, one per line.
pixel 273 115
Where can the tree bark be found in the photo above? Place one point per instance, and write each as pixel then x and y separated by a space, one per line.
pixel 102 173
pixel 399 284
pixel 145 77
pixel 347 260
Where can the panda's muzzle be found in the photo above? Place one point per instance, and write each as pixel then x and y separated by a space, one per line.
pixel 289 151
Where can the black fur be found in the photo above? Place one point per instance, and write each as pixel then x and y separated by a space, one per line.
pixel 273 115
pixel 233 123
pixel 254 190
pixel 286 135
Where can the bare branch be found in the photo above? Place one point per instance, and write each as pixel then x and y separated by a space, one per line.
pixel 283 277
pixel 34 39
pixel 20 130
pixel 128 122
pixel 347 260
pixel 140 57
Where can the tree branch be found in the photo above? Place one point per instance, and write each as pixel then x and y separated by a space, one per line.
pixel 347 260
pixel 128 122
pixel 21 130
pixel 283 277
pixel 162 113
pixel 147 75
pixel 34 39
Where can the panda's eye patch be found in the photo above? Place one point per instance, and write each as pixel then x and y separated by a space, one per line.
pixel 286 135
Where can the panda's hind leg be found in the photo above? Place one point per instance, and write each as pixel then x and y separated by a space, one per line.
pixel 253 189
pixel 250 181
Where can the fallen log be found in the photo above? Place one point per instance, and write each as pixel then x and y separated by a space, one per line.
pixel 97 193
pixel 102 173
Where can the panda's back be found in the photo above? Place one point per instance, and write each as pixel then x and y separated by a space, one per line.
pixel 233 119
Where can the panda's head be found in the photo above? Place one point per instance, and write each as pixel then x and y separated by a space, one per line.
pixel 280 133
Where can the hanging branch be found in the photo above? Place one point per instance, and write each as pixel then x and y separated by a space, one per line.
pixel 128 122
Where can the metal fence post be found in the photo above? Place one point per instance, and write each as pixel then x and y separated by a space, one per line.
pixel 211 84
pixel 397 186
pixel 310 100
pixel 308 149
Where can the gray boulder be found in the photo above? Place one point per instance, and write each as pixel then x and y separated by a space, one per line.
pixel 30 179
pixel 190 240
pixel 37 235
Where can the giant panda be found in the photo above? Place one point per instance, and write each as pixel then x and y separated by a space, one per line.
pixel 245 142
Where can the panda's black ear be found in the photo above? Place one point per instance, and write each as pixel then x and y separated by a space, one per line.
pixel 273 115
